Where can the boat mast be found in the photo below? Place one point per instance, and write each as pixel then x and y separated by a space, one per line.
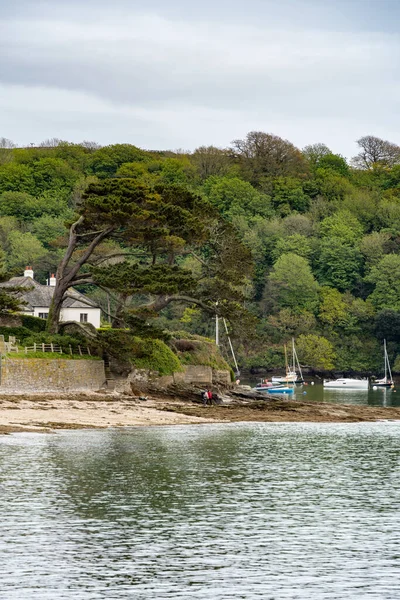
pixel 385 359
pixel 298 363
pixel 294 356
pixel 388 365
pixel 286 363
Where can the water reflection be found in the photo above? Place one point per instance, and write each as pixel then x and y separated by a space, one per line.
pixel 306 511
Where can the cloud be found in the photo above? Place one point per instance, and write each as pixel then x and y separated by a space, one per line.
pixel 178 83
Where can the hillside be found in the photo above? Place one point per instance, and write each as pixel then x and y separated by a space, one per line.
pixel 323 232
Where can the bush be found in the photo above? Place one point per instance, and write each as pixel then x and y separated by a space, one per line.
pixel 149 353
pixel 33 323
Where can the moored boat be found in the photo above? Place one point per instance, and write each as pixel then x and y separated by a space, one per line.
pixel 347 383
pixel 385 382
pixel 293 373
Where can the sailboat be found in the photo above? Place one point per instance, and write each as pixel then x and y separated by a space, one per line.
pixel 386 382
pixel 293 373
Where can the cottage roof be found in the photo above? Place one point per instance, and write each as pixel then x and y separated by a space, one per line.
pixel 38 295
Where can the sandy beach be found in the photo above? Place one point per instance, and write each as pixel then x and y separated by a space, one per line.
pixel 47 412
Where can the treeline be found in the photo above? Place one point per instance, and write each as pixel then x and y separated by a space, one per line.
pixel 324 235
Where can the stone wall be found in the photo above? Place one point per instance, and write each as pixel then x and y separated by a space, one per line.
pixel 50 375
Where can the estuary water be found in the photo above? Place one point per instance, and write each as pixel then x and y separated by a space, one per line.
pixel 272 511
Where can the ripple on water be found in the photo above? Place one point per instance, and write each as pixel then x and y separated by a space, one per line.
pixel 307 511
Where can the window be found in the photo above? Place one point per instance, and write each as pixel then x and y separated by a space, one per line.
pixel 43 315
pixel 83 317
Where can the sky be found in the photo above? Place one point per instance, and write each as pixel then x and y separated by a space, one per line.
pixel 178 74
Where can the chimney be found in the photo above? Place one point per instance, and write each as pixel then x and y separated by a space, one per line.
pixel 28 272
pixel 52 280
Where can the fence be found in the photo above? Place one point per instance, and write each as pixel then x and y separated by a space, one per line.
pixel 81 350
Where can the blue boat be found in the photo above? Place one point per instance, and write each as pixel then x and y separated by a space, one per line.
pixel 275 390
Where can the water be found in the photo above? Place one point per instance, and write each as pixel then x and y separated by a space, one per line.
pixel 273 511
pixel 317 393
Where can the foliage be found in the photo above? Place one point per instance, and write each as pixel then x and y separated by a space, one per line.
pixel 144 353
pixel 33 323
pixel 191 225
pixel 199 352
pixel 292 284
pixel 386 278
pixel 315 351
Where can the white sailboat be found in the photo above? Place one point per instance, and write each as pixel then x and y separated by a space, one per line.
pixel 293 373
pixel 386 382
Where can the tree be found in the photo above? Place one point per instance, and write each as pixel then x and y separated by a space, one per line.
pixel 288 194
pixel 386 278
pixel 315 152
pixel 333 309
pixel 342 226
pixel 376 152
pixel 315 351
pixel 156 226
pixel 339 264
pixel 374 246
pixel 387 325
pixel 296 244
pixel 263 155
pixel 209 161
pixel 106 161
pixel 24 249
pixel 233 197
pixel 292 285
pixel 16 178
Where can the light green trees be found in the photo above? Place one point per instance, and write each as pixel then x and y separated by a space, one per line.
pixel 292 285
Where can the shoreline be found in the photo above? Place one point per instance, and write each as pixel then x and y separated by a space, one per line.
pixel 47 412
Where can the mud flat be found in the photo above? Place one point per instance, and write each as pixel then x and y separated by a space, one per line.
pixel 48 412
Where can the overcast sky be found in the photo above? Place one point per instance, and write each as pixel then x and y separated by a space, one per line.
pixel 183 73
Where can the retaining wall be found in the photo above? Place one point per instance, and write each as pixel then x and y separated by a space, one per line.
pixel 49 375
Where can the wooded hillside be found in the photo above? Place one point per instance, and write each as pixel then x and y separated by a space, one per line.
pixel 323 235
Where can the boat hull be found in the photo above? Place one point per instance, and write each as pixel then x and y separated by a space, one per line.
pixel 276 390
pixel 347 384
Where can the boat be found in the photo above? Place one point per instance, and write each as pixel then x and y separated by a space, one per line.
pixel 278 389
pixel 386 382
pixel 346 383
pixel 292 376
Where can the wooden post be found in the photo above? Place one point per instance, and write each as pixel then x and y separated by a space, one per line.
pixel 42 347
pixel 88 351
pixel 80 350
pixel 34 346
pixel 70 349
pixel 52 347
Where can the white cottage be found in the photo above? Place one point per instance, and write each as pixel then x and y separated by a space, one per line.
pixel 76 307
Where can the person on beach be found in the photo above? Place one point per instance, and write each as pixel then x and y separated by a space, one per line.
pixel 210 396
pixel 204 396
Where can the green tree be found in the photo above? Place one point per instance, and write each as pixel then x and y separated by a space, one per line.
pixel 333 309
pixel 385 276
pixel 343 226
pixel 339 264
pixel 315 351
pixel 106 161
pixel 292 285
pixel 295 244
pixel 288 194
pixel 24 249
pixel 162 223
pixel 16 178
pixel 233 197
